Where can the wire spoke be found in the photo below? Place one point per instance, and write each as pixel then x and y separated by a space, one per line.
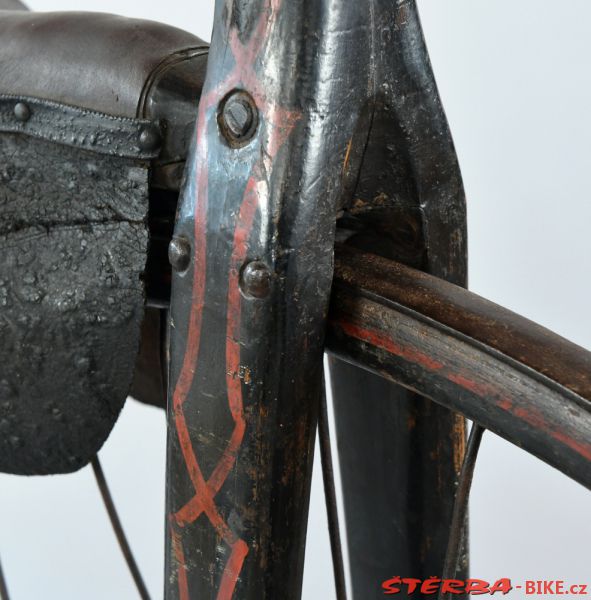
pixel 331 500
pixel 458 521
pixel 3 587
pixel 118 529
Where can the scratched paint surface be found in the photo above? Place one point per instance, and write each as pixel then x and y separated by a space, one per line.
pixel 277 123
pixel 246 372
pixel 509 397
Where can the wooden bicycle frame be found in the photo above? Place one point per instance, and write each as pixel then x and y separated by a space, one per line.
pixel 337 135
pixel 349 124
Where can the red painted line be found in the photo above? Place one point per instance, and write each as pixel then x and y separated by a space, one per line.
pixel 279 126
pixel 536 419
pixel 480 389
pixel 376 338
pixel 582 448
pixel 232 570
pixel 233 382
pixel 185 379
pixel 203 500
pixel 177 548
pixel 530 415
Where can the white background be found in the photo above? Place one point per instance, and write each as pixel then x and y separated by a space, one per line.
pixel 515 79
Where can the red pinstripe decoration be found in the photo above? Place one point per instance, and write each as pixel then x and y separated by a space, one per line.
pixel 529 414
pixel 278 124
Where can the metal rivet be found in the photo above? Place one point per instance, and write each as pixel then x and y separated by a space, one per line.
pixel 255 279
pixel 238 118
pixel 149 138
pixel 22 111
pixel 179 253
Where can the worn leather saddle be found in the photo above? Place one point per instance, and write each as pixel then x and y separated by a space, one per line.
pixel 96 113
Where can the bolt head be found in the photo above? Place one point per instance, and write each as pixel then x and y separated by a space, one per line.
pixel 149 138
pixel 255 279
pixel 179 254
pixel 22 112
pixel 238 118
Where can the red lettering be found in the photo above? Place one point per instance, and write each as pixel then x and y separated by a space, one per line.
pixel 389 586
pixel 452 586
pixel 430 586
pixel 560 587
pixel 412 584
pixel 502 585
pixel 477 587
pixel 530 587
pixel 548 588
pixel 582 590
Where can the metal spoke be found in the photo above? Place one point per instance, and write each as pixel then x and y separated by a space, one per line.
pixel 119 533
pixel 458 520
pixel 3 587
pixel 331 500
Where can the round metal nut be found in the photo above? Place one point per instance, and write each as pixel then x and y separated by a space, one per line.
pixel 22 112
pixel 255 279
pixel 149 138
pixel 179 253
pixel 238 118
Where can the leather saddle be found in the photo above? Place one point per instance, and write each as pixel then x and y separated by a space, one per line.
pixel 96 114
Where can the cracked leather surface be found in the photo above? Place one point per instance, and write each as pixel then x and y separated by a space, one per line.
pixel 73 243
